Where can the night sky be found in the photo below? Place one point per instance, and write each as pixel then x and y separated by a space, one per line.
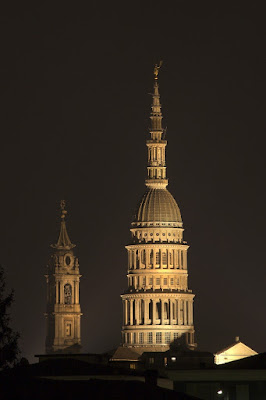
pixel 74 116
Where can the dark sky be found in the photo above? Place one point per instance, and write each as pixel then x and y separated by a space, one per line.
pixel 74 112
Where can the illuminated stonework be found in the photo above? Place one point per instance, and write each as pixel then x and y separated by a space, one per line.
pixel 157 306
pixel 63 308
pixel 236 351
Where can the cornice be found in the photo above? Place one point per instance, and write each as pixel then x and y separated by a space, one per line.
pixel 157 246
pixel 154 295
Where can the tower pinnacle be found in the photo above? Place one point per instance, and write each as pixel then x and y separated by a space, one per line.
pixel 63 241
pixel 156 69
pixel 156 145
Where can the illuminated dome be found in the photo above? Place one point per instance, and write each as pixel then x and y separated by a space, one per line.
pixel 157 304
pixel 158 205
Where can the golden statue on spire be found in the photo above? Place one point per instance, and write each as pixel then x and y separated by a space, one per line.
pixel 63 206
pixel 156 70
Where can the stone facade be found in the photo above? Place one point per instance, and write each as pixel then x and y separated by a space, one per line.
pixel 63 306
pixel 157 306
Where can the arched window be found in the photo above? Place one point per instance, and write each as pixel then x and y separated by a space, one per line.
pixel 68 294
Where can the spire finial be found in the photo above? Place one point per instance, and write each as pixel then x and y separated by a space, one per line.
pixel 63 240
pixel 156 70
pixel 63 210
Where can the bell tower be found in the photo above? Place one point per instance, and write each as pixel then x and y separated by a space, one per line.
pixel 63 308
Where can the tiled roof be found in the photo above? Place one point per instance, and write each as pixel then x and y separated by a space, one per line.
pixel 158 205
pixel 125 354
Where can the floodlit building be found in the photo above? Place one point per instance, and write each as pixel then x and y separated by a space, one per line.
pixel 63 307
pixel 234 352
pixel 157 305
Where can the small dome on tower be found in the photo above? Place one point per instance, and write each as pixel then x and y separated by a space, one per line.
pixel 158 205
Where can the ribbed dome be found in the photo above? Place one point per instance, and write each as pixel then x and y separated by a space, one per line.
pixel 158 205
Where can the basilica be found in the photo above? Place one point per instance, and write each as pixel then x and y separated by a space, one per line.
pixel 157 304
pixel 158 336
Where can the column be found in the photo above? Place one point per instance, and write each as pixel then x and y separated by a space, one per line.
pixel 61 293
pixel 146 311
pixel 174 263
pixel 126 310
pixel 182 312
pixel 176 259
pixel 134 282
pixel 135 259
pixel 76 293
pixel 148 252
pixel 180 259
pixel 62 333
pixel 185 259
pixel 153 312
pixel 185 312
pixel 162 311
pixel 137 311
pixel 140 258
pixel 131 311
pixel 56 327
pixel 190 314
pixel 171 312
pixel 179 317
pixel 75 327
pixel 153 258
pixel 168 258
pixel 161 258
pixel 132 258
pixel 57 292
pixel 78 327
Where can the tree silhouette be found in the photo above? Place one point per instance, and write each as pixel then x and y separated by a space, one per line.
pixel 9 350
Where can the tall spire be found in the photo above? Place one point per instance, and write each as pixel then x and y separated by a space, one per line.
pixel 156 114
pixel 63 241
pixel 157 305
pixel 156 144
